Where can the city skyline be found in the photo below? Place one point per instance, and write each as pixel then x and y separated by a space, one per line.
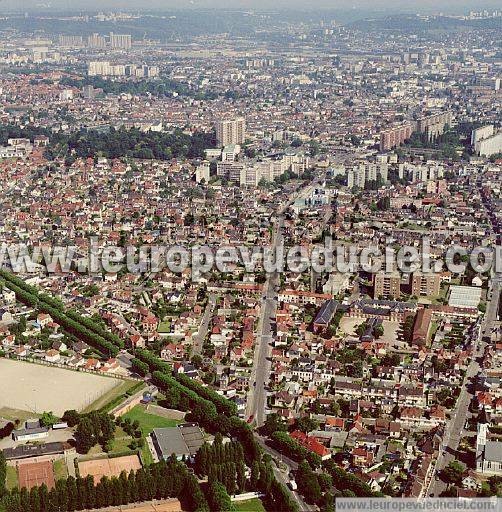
pixel 360 5
pixel 250 259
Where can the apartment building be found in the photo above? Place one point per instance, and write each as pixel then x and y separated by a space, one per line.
pixel 230 131
pixel 387 285
pixel 120 41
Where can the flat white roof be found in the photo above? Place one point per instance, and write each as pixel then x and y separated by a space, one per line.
pixel 464 296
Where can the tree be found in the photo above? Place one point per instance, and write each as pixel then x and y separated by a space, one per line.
pixel 71 417
pixel 361 328
pixel 284 443
pixel 218 498
pixel 48 419
pixel 378 331
pixel 197 360
pixel 308 484
pixel 306 424
pixel 3 474
pixel 408 327
pixel 452 473
pixel 85 435
pixel 314 148
pixel 273 423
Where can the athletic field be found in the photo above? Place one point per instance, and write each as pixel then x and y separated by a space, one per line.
pixel 36 388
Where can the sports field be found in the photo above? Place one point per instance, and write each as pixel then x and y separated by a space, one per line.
pixel 34 474
pixel 37 388
pixel 99 468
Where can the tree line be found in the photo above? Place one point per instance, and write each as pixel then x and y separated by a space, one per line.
pixel 223 406
pixel 218 498
pixel 223 463
pixel 159 87
pixel 165 479
pixel 285 444
pixel 3 475
pixel 73 323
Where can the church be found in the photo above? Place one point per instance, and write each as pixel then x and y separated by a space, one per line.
pixel 488 453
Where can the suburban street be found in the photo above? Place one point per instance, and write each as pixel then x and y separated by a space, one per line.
pixel 455 427
pixel 289 465
pixel 257 397
pixel 198 340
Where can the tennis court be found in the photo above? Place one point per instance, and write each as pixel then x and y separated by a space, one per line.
pixel 99 468
pixel 33 474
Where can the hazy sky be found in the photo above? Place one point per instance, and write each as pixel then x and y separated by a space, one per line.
pixel 396 5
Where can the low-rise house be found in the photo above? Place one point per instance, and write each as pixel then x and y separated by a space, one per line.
pixel 52 356
pixel 311 444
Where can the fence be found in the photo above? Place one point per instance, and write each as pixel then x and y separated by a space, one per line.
pixel 64 366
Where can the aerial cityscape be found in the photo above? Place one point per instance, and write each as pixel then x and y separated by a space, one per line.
pixel 250 256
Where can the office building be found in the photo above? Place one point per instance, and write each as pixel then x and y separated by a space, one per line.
pixel 230 170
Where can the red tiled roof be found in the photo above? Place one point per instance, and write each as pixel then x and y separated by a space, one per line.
pixel 310 443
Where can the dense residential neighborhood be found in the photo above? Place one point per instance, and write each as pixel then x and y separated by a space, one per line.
pixel 209 295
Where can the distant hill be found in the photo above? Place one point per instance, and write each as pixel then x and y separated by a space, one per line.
pixel 417 24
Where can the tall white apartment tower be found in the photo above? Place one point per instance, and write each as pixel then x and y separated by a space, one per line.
pixel 230 131
pixel 120 41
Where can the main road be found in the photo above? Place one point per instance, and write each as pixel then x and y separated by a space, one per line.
pixel 204 325
pixel 260 373
pixel 455 427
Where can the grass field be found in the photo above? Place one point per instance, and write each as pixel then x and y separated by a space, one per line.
pixel 164 327
pixel 253 505
pixel 147 421
pixel 16 414
pixel 146 455
pixel 12 480
pixel 123 387
pixel 60 469
pixel 121 441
